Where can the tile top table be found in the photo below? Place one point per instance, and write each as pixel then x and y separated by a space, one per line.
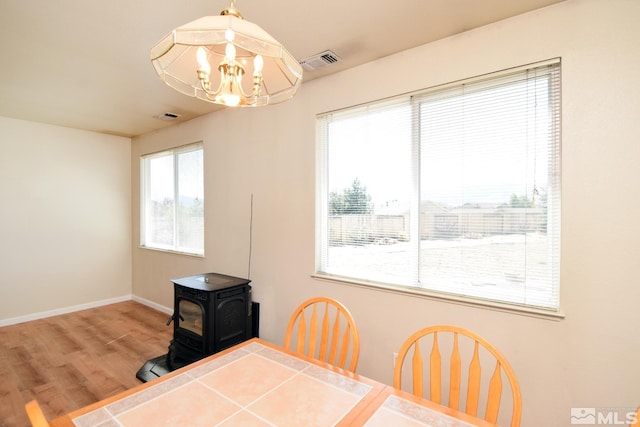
pixel 259 384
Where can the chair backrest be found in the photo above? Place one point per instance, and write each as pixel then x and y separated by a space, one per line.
pixel 35 414
pixel 636 423
pixel 461 348
pixel 325 331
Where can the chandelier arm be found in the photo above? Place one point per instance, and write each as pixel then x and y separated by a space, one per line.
pixel 228 74
pixel 257 82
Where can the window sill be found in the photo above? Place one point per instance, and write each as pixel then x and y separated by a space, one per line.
pixel 446 298
pixel 169 251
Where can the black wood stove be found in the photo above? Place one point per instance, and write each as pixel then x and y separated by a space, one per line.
pixel 211 312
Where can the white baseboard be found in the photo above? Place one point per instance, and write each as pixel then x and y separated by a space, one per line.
pixel 71 309
pixel 64 310
pixel 152 304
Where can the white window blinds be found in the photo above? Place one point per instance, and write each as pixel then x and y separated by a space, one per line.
pixel 454 190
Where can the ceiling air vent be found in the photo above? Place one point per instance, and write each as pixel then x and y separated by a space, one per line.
pixel 320 60
pixel 167 116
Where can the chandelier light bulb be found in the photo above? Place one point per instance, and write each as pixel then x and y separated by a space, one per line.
pixel 229 95
pixel 230 52
pixel 258 63
pixel 203 63
pixel 230 100
pixel 229 35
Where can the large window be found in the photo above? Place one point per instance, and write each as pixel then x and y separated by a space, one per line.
pixel 454 190
pixel 172 211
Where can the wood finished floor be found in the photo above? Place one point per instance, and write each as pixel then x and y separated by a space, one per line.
pixel 69 361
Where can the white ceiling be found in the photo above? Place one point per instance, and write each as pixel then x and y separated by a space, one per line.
pixel 85 63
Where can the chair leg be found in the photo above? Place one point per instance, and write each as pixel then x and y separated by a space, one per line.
pixel 35 414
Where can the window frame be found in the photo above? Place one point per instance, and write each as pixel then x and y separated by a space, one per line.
pixel 322 211
pixel 145 179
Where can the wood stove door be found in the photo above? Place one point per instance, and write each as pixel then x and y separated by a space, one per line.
pixel 189 324
pixel 190 316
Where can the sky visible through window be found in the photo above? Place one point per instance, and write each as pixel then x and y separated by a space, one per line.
pixel 190 176
pixel 469 154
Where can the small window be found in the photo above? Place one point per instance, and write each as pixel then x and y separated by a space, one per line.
pixel 454 190
pixel 172 197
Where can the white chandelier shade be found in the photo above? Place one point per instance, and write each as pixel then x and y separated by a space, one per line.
pixel 250 68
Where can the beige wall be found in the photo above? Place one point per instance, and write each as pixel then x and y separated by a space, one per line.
pixel 588 359
pixel 66 212
pixel 66 209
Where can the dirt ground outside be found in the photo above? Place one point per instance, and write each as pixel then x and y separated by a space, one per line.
pixel 512 268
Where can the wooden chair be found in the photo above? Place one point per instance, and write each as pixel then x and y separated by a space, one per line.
pixel 461 345
pixel 35 414
pixel 637 420
pixel 325 331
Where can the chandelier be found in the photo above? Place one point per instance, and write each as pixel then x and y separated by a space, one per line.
pixel 251 67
